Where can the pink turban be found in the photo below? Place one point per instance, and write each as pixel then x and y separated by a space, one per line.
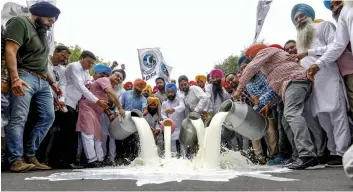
pixel 216 72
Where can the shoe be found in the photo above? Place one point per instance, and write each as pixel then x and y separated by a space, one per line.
pixel 109 162
pixel 21 166
pixel 334 161
pixel 303 163
pixel 39 166
pixel 249 155
pixel 94 164
pixel 323 160
pixel 275 160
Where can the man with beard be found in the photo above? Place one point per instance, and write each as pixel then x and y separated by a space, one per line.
pixel 174 108
pixel 288 80
pixel 201 81
pixel 161 94
pixel 152 119
pixel 128 86
pixel 327 101
pixel 291 47
pixel 194 97
pixel 344 35
pixel 26 56
pixel 147 92
pixel 227 87
pixel 215 91
pixel 131 100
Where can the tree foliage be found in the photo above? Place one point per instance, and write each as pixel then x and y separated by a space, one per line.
pixel 228 65
pixel 76 53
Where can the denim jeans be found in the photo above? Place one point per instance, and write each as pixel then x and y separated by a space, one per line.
pixel 39 93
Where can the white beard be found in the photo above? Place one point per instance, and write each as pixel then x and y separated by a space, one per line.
pixel 348 3
pixel 306 36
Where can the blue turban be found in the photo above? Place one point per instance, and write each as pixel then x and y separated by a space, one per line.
pixel 242 59
pixel 327 4
pixel 101 68
pixel 171 85
pixel 303 8
pixel 44 9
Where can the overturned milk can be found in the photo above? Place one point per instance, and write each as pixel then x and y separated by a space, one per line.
pixel 188 134
pixel 244 120
pixel 121 128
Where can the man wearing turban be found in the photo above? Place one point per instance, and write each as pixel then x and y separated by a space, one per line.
pixel 132 100
pixel 101 70
pixel 215 92
pixel 288 80
pixel 152 115
pixel 128 86
pixel 343 36
pixel 195 98
pixel 147 92
pixel 193 83
pixel 174 108
pixel 201 81
pixel 25 39
pixel 327 101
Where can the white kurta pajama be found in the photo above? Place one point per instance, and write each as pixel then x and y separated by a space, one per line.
pixel 328 101
pixel 178 116
pixel 215 103
pixel 111 151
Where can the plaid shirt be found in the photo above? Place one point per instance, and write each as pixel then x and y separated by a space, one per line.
pixel 258 87
pixel 272 63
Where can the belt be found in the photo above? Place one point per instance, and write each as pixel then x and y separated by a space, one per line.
pixel 38 75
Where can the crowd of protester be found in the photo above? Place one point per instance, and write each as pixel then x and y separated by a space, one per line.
pixel 56 115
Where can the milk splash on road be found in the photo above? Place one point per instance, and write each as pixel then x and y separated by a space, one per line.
pixel 148 168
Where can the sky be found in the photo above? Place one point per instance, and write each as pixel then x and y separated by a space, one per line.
pixel 193 35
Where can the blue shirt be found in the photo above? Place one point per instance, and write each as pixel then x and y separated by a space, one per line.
pixel 129 101
pixel 258 86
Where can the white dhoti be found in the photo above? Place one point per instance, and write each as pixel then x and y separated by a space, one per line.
pixel 111 150
pixel 336 126
pixel 92 148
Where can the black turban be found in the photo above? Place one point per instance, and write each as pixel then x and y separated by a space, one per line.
pixel 44 9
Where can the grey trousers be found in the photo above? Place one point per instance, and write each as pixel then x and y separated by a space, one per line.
pixel 295 96
pixel 348 162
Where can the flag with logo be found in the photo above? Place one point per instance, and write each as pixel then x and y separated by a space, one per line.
pixel 152 64
pixel 11 9
pixel 263 7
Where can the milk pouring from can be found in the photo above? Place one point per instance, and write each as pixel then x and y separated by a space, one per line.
pixel 121 128
pixel 188 135
pixel 244 120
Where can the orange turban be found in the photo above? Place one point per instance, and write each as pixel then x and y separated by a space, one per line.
pixel 192 83
pixel 276 46
pixel 141 83
pixel 253 50
pixel 127 84
pixel 152 101
pixel 200 78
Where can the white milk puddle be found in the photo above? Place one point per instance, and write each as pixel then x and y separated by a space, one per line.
pixel 232 163
pixel 209 165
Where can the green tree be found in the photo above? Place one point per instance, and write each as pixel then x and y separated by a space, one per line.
pixel 228 65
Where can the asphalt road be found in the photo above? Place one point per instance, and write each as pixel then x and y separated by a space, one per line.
pixel 326 179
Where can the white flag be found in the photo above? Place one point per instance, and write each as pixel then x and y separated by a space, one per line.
pixel 262 9
pixel 11 10
pixel 152 64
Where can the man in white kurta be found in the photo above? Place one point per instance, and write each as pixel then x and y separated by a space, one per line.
pixel 327 100
pixel 344 35
pixel 194 97
pixel 174 108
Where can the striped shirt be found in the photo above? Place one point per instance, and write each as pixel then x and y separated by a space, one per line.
pixel 273 64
